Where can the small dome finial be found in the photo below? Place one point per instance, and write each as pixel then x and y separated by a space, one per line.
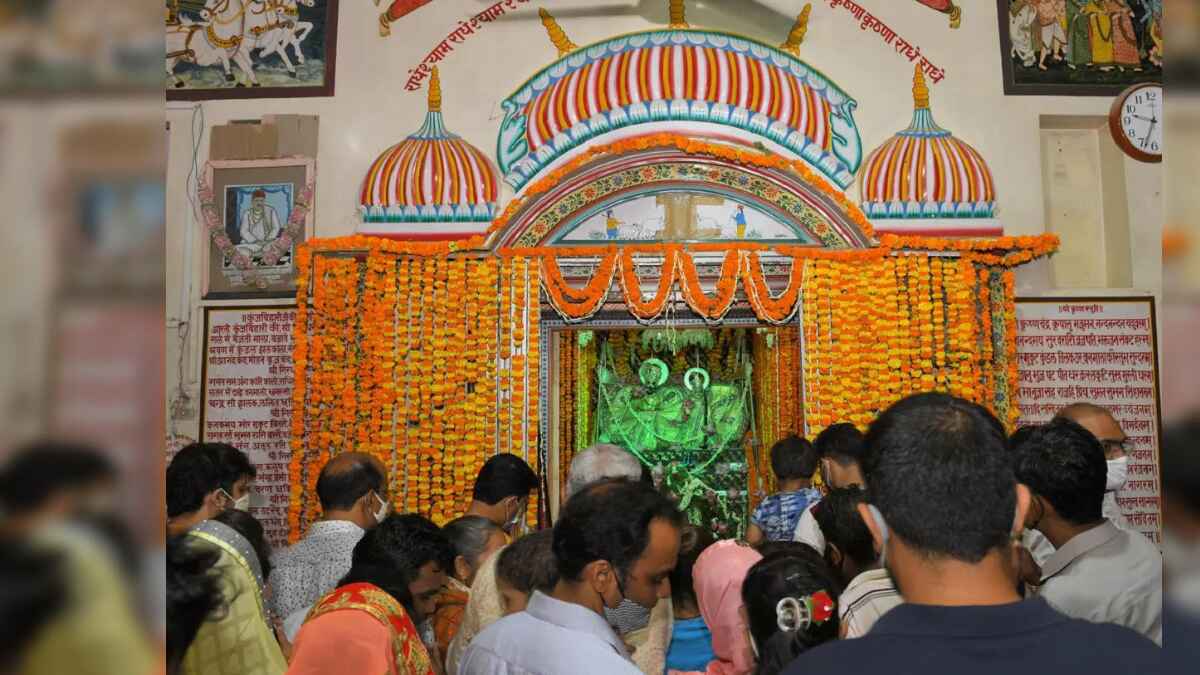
pixel 796 37
pixel 557 35
pixel 678 19
pixel 435 91
pixel 920 89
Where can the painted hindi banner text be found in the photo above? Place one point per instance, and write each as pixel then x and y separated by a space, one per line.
pixel 1100 351
pixel 246 400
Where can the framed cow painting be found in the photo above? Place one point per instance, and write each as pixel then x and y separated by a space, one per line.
pixel 219 49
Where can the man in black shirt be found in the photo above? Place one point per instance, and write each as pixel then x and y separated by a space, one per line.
pixel 946 513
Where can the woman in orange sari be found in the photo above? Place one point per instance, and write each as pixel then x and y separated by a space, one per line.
pixel 368 624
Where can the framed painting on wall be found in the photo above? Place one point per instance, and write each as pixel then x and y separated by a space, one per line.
pixel 255 213
pixel 220 49
pixel 1079 47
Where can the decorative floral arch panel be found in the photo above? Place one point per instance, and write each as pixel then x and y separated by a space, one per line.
pixel 792 203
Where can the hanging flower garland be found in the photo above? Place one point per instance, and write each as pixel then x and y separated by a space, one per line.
pixel 578 304
pixel 403 348
pixel 713 309
pixel 776 310
pixel 631 286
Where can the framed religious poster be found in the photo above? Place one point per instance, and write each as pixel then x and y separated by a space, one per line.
pixel 1079 47
pixel 255 213
pixel 246 399
pixel 1102 351
pixel 220 49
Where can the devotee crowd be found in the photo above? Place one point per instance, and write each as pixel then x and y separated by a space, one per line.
pixel 932 542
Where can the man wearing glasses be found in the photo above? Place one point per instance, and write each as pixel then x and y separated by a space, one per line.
pixel 1105 428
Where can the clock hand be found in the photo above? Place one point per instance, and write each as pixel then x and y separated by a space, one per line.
pixel 1148 132
pixel 1143 118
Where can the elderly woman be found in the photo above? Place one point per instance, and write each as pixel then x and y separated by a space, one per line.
pixel 476 539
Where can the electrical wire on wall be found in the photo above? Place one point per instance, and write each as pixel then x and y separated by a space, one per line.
pixel 181 405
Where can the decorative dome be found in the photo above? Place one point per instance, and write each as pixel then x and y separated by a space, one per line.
pixel 924 172
pixel 432 177
pixel 703 81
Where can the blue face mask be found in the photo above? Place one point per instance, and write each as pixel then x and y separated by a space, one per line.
pixel 883 534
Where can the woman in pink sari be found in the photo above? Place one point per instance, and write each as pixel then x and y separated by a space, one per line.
pixel 717 577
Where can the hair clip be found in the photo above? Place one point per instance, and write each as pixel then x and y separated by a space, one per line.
pixel 796 614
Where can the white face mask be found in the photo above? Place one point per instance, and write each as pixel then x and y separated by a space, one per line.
pixel 241 503
pixel 883 534
pixel 1118 473
pixel 384 509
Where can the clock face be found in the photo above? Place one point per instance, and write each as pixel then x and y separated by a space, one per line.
pixel 1141 121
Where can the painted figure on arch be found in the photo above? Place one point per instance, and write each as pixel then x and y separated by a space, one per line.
pixel 739 220
pixel 612 226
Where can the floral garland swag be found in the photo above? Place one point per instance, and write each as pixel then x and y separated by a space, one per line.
pixel 426 354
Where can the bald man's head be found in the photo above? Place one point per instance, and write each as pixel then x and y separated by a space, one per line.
pixel 1102 424
pixel 346 478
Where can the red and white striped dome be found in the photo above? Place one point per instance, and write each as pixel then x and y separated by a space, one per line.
pixel 438 184
pixel 924 172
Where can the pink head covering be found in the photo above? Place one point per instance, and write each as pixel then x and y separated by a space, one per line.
pixel 717 578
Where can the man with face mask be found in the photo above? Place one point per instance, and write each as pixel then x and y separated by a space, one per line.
pixel 203 480
pixel 1105 428
pixel 840 448
pixel 352 489
pixel 945 511
pixel 1098 572
pixel 502 490
pixel 616 539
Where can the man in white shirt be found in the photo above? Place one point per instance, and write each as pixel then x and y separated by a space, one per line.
pixel 840 448
pixel 616 539
pixel 352 489
pixel 1107 430
pixel 850 550
pixel 1098 572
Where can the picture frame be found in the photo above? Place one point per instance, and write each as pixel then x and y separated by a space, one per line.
pixel 1130 52
pixel 271 49
pixel 255 214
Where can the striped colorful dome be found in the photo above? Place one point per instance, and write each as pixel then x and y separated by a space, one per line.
pixel 681 77
pixel 431 177
pixel 925 172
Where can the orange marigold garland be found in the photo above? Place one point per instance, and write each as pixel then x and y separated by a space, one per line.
pixel 409 345
pixel 776 310
pixel 578 304
pixel 631 286
pixel 713 309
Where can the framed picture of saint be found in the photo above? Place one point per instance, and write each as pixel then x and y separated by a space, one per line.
pixel 1079 47
pixel 255 213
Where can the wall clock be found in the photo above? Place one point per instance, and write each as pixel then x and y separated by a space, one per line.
pixel 1136 121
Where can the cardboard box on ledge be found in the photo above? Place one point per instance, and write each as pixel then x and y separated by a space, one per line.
pixel 272 137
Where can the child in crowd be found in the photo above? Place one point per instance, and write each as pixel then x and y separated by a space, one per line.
pixel 525 566
pixel 790 607
pixel 870 592
pixel 794 461
pixel 691 641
